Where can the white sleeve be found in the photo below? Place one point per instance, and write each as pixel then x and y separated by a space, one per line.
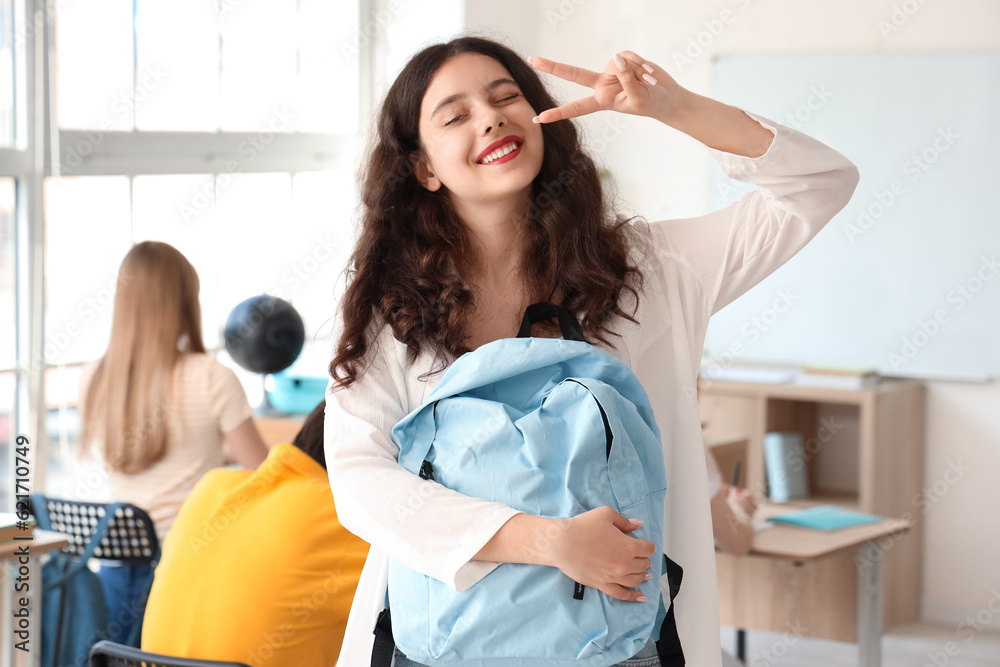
pixel 802 185
pixel 425 526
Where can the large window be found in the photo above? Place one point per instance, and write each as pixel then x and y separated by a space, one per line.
pixel 8 334
pixel 229 129
pixel 12 170
pixel 6 74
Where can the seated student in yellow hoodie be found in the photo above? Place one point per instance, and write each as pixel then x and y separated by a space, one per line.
pixel 257 568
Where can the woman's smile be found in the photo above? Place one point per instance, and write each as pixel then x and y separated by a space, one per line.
pixel 501 151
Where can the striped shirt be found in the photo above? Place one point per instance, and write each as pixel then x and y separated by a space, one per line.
pixel 206 400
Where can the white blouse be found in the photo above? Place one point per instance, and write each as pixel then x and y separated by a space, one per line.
pixel 692 268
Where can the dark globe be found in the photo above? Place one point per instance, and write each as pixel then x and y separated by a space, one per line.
pixel 264 334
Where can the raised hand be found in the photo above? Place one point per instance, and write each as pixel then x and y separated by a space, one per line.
pixel 628 84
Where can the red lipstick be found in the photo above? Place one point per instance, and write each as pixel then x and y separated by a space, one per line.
pixel 499 144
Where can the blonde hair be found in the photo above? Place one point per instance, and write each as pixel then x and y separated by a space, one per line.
pixel 156 311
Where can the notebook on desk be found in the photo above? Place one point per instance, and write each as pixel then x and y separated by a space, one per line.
pixel 825 517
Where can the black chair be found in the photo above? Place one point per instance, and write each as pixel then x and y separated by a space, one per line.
pixel 130 538
pixel 127 536
pixel 110 654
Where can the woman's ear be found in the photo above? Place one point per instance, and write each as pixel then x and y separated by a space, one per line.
pixel 423 172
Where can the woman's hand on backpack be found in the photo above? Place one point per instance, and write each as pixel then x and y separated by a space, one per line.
pixel 629 84
pixel 594 549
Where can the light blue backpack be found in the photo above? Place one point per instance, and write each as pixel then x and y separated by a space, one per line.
pixel 553 428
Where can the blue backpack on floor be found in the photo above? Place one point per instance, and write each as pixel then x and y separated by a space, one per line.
pixel 553 428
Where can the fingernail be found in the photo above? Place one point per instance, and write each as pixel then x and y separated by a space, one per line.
pixel 647 67
pixel 530 58
pixel 647 576
pixel 642 598
pixel 648 79
pixel 635 522
pixel 536 120
pixel 619 62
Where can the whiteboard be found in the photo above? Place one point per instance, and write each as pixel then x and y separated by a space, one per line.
pixel 905 279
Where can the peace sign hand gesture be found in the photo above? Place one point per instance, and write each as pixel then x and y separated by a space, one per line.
pixel 628 84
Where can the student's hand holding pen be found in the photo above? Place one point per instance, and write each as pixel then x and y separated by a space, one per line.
pixel 742 502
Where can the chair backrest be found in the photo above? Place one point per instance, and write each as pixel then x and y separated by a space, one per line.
pixel 110 654
pixel 129 538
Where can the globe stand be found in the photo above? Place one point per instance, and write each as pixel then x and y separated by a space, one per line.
pixel 265 409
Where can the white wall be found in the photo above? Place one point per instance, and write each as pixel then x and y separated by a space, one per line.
pixel 962 531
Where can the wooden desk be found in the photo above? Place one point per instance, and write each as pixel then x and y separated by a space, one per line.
pixel 43 542
pixel 873 441
pixel 276 430
pixel 793 578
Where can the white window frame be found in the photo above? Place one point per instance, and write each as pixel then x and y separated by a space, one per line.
pixel 131 154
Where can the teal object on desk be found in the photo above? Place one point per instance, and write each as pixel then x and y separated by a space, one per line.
pixel 825 517
pixel 296 393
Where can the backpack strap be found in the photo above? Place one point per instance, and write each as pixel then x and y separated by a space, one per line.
pixel 40 511
pixel 539 312
pixel 668 648
pixel 92 544
pixel 385 645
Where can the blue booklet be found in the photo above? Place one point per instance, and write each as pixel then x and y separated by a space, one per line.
pixel 825 517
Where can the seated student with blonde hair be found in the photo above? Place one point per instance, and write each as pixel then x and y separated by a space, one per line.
pixel 156 409
pixel 258 568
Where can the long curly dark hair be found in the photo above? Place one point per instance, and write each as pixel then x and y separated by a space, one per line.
pixel 403 272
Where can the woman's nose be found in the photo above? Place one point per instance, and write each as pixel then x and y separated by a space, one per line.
pixel 495 122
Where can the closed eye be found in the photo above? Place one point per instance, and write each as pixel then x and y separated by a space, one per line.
pixel 506 98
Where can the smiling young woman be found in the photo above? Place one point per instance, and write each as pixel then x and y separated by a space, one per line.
pixel 451 250
pixel 477 200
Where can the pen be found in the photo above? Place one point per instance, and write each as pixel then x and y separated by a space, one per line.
pixel 736 473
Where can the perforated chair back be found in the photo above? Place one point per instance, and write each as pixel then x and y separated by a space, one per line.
pixel 129 538
pixel 110 654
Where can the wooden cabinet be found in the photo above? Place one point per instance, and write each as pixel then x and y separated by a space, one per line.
pixel 865 451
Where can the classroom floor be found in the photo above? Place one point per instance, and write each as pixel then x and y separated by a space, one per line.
pixel 918 645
